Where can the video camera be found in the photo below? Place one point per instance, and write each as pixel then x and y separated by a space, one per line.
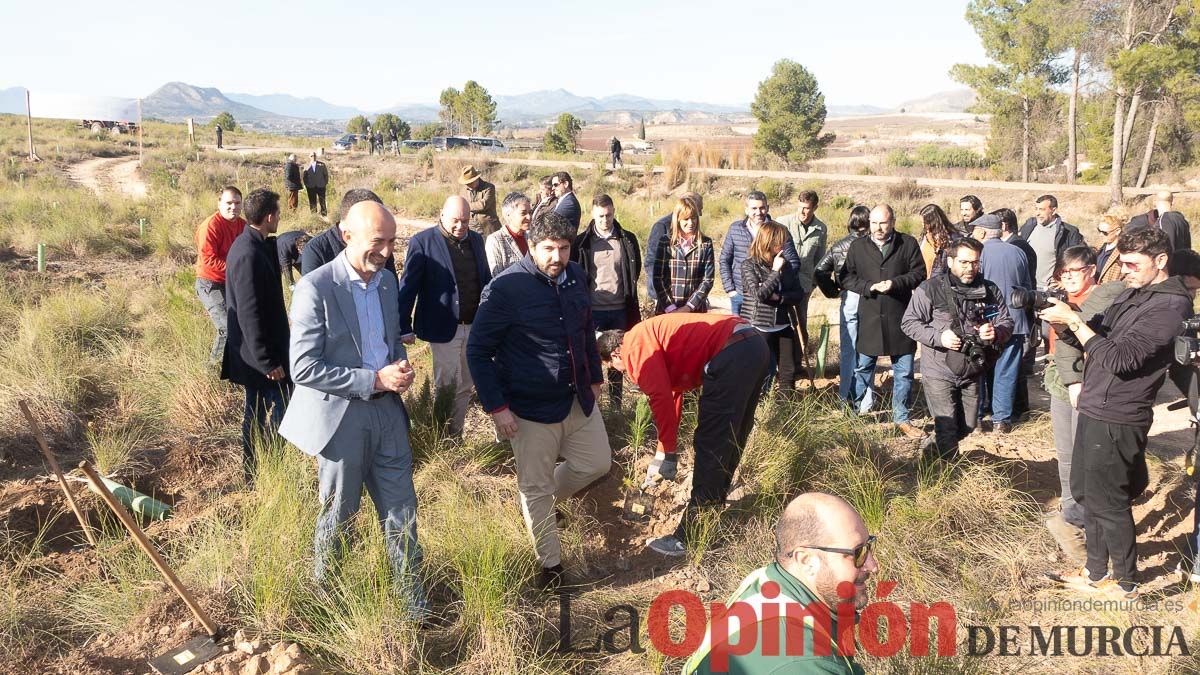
pixel 974 311
pixel 1187 353
pixel 1024 298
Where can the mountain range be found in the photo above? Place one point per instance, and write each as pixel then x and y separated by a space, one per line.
pixel 176 101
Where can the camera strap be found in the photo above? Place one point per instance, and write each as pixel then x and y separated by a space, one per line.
pixel 945 300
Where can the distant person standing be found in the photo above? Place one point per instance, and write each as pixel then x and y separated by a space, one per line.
pixel 545 199
pixel 481 196
pixel 219 136
pixel 316 178
pixel 214 236
pixel 1049 235
pixel 809 237
pixel 256 354
pixel 1164 217
pixel 394 140
pixel 292 182
pixel 1005 266
pixel 1108 261
pixel 567 204
pixel 614 148
pixel 290 247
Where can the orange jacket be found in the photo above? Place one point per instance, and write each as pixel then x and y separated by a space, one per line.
pixel 213 239
pixel 665 355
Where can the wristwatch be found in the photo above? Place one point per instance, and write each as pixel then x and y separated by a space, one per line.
pixel 1075 326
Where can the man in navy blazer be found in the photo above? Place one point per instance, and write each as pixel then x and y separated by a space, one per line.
pixel 567 204
pixel 256 349
pixel 445 271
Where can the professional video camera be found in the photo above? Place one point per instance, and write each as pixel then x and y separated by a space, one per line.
pixel 1187 378
pixel 1024 298
pixel 974 311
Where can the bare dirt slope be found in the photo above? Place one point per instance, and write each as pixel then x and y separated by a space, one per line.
pixel 117 174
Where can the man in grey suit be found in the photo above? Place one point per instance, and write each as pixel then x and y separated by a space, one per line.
pixel 350 368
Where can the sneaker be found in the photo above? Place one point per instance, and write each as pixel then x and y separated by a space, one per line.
pixel 908 429
pixel 1079 580
pixel 1116 590
pixel 669 545
pixel 549 579
pixel 1071 539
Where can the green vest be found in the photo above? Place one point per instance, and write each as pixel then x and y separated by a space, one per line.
pixel 755 662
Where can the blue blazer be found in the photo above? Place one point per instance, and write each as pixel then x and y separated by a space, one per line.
pixel 429 283
pixel 568 206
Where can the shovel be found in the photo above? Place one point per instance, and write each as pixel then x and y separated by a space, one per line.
pixel 195 652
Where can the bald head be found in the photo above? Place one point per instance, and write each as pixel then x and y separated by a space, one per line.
pixel 456 217
pixel 808 519
pixel 1164 199
pixel 369 231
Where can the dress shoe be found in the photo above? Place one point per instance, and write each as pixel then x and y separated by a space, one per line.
pixel 1002 427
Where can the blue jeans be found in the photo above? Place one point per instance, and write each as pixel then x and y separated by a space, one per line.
pixel 1000 385
pixel 902 380
pixel 735 304
pixel 212 297
pixel 261 416
pixel 848 357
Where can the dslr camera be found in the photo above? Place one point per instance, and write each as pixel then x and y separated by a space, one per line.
pixel 1187 346
pixel 1024 298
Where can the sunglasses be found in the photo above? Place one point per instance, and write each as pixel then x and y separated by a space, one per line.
pixel 858 553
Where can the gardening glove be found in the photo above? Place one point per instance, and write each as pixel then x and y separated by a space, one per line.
pixel 662 467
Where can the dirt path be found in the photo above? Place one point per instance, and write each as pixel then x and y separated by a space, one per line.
pixel 114 174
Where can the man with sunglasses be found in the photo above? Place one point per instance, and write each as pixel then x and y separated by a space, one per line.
pixel 1128 351
pixel 820 543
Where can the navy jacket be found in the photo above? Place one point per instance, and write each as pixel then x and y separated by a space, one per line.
pixel 258 335
pixel 658 230
pixel 289 259
pixel 568 206
pixel 1005 265
pixel 429 283
pixel 325 247
pixel 532 347
pixel 736 247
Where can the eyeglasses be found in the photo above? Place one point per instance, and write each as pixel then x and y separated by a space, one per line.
pixel 859 553
pixel 1075 270
pixel 971 263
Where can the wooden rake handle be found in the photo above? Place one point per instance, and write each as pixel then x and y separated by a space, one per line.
pixel 41 441
pixel 144 543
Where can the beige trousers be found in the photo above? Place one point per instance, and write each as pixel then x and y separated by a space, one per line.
pixel 450 370
pixel 582 442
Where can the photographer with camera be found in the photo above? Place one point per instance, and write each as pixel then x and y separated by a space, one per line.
pixel 1128 351
pixel 1185 264
pixel 1063 380
pixel 1006 266
pixel 959 317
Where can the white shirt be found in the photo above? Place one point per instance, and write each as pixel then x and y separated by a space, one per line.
pixel 369 309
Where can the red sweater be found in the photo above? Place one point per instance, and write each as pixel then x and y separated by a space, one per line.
pixel 213 239
pixel 665 356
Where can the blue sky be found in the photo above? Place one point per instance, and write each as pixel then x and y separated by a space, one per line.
pixel 373 54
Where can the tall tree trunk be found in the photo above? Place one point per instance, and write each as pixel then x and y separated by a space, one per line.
pixel 1130 118
pixel 1072 150
pixel 1118 150
pixel 1025 139
pixel 1141 179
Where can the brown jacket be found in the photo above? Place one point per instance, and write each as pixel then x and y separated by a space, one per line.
pixel 1111 271
pixel 482 199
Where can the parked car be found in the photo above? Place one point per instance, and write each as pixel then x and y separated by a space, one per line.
pixel 444 143
pixel 346 142
pixel 414 145
pixel 488 144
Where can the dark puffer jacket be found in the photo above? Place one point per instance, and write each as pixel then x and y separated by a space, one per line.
pixel 829 268
pixel 767 293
